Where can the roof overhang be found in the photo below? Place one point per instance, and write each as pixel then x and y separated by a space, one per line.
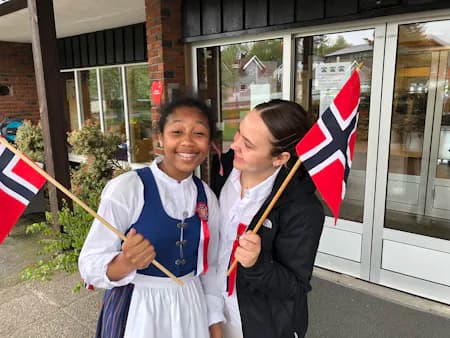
pixel 71 17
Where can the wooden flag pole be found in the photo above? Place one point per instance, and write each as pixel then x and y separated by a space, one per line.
pixel 271 205
pixel 81 203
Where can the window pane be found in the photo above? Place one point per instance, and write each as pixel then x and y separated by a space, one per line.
pixel 419 173
pixel 113 108
pixel 89 96
pixel 70 105
pixel 138 85
pixel 323 64
pixel 251 73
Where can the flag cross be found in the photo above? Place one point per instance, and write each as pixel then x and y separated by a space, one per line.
pixel 11 182
pixel 334 146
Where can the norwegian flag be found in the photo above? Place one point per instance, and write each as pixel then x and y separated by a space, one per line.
pixel 327 149
pixel 19 183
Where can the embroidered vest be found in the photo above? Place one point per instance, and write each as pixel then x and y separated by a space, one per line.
pixel 177 243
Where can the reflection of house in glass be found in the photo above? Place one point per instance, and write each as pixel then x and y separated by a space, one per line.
pixel 252 71
pixel 247 80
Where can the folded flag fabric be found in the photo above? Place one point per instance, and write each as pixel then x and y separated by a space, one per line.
pixel 19 183
pixel 327 149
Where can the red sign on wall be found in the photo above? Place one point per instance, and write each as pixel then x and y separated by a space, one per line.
pixel 157 91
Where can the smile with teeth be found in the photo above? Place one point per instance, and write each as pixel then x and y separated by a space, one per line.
pixel 187 156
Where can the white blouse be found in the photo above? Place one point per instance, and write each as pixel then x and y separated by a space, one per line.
pixel 234 210
pixel 121 204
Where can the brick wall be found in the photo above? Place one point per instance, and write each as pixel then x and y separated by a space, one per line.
pixel 166 51
pixel 17 72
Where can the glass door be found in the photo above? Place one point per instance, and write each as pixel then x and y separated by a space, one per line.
pixel 411 245
pixel 323 62
pixel 437 199
pixel 418 171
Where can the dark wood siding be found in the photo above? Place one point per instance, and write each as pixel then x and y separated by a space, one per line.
pixel 191 18
pixel 373 4
pixel 211 17
pixel 255 14
pixel 309 10
pixel 204 19
pixel 76 51
pixel 92 46
pixel 112 46
pixel 84 49
pixel 233 15
pixel 281 11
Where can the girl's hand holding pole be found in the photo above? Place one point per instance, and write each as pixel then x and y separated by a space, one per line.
pixel 137 253
pixel 249 248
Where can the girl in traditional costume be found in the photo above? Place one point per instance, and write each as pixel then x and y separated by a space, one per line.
pixel 164 210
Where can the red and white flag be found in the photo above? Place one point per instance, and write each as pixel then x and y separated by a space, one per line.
pixel 19 183
pixel 327 149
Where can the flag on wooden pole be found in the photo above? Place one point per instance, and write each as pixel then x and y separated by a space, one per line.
pixel 19 183
pixel 327 149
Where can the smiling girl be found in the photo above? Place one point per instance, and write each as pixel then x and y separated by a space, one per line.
pixel 166 211
pixel 266 296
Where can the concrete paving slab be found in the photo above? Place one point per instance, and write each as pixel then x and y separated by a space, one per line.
pixel 86 309
pixel 60 325
pixel 24 311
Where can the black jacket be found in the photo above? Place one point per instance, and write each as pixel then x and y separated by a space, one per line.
pixel 272 294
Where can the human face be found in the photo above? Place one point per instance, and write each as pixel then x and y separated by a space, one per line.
pixel 252 147
pixel 185 140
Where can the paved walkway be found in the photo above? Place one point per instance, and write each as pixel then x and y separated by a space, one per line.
pixel 340 306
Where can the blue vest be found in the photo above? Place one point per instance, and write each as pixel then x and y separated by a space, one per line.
pixel 176 241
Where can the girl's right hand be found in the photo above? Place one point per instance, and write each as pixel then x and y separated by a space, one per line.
pixel 137 250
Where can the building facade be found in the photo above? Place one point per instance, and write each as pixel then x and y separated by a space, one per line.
pixel 394 226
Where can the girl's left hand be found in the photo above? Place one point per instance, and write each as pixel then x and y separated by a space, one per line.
pixel 249 248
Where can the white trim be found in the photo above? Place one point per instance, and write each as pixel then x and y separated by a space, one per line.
pixel 343 224
pixel 126 112
pixel 194 74
pixel 436 122
pixel 287 83
pixel 417 240
pixel 383 150
pixel 100 99
pixel 78 97
pixel 427 134
pixel 368 224
pixel 339 264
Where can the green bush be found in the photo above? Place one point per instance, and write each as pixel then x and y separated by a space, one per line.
pixel 29 141
pixel 60 249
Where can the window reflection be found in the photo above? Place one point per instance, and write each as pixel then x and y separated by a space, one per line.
pixel 323 64
pixel 89 96
pixel 251 73
pixel 70 104
pixel 419 171
pixel 138 84
pixel 113 107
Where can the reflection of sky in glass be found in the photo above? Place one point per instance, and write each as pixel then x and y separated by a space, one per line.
pixel 354 38
pixel 438 29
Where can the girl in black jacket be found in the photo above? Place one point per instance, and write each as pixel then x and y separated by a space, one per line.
pixel 267 294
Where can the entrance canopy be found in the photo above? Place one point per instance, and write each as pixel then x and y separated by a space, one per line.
pixel 71 17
